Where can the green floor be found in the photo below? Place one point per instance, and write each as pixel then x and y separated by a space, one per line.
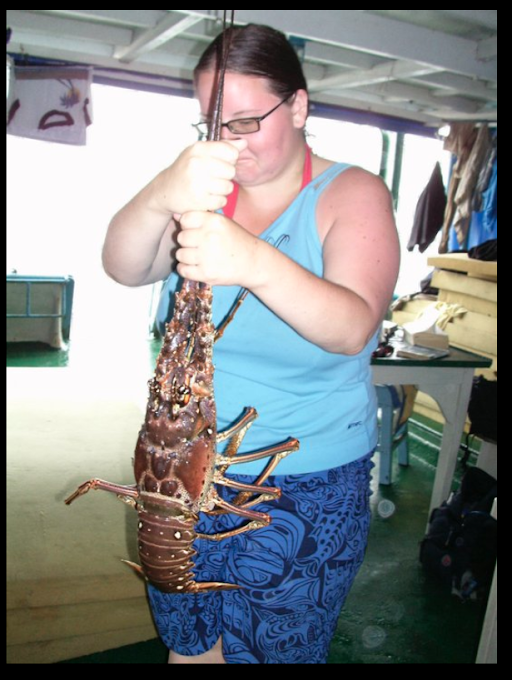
pixel 28 354
pixel 395 613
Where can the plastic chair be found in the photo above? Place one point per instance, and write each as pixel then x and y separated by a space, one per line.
pixel 393 430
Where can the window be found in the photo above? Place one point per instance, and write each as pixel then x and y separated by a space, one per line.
pixel 61 198
pixel 346 142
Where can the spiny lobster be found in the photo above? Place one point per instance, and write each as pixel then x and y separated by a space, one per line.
pixel 176 462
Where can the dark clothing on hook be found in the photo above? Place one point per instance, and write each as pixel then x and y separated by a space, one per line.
pixel 429 215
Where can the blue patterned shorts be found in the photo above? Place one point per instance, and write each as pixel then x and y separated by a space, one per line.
pixel 295 574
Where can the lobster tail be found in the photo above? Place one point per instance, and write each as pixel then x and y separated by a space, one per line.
pixel 166 554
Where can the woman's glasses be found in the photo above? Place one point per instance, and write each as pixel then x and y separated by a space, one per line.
pixel 239 126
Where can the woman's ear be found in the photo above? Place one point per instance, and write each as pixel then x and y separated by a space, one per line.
pixel 300 109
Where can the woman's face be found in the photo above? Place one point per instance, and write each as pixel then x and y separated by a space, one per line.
pixel 269 150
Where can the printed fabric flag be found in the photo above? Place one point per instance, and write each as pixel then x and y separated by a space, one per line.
pixel 51 103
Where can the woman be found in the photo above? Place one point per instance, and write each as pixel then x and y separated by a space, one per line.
pixel 316 246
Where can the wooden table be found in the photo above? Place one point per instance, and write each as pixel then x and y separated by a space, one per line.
pixel 449 381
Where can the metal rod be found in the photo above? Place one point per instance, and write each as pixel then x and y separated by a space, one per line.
pixel 214 133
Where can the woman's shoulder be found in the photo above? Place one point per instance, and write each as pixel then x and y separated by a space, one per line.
pixel 350 193
pixel 348 173
pixel 352 176
pixel 353 179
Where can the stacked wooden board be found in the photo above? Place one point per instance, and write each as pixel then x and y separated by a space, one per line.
pixel 473 284
pixel 50 620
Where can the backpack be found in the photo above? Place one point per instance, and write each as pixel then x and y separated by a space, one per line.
pixel 483 408
pixel 460 547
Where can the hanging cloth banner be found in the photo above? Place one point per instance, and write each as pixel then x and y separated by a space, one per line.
pixel 52 104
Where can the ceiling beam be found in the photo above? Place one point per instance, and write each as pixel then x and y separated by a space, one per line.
pixel 425 98
pixel 361 101
pixel 488 49
pixel 335 55
pixel 35 26
pixel 151 39
pixel 483 115
pixel 452 83
pixel 388 71
pixel 141 18
pixel 487 18
pixel 354 29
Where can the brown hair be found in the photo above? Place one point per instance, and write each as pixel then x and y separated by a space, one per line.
pixel 262 51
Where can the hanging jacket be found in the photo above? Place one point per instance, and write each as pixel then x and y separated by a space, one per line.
pixel 429 215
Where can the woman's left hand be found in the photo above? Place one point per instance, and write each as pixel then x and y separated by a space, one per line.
pixel 216 250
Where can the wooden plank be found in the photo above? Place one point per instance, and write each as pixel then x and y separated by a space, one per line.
pixel 53 620
pixel 412 309
pixel 478 322
pixel 418 305
pixel 402 317
pixel 459 283
pixel 54 592
pixel 470 302
pixel 479 341
pixel 64 621
pixel 472 319
pixel 52 651
pixel 479 332
pixel 461 262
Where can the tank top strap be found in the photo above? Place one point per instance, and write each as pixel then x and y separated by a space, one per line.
pixel 327 176
pixel 307 173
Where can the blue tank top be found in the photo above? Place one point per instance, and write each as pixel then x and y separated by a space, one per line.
pixel 325 400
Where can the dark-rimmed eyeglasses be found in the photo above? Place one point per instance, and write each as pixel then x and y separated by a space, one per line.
pixel 239 126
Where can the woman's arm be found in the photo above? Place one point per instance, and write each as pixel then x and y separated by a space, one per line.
pixel 139 244
pixel 339 312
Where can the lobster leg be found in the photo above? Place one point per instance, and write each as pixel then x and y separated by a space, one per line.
pixel 276 453
pixel 128 494
pixel 258 520
pixel 241 504
pixel 239 429
pixel 236 433
pixel 229 318
pixel 255 524
pixel 270 492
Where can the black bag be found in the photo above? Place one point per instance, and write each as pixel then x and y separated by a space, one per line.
pixel 483 408
pixel 460 547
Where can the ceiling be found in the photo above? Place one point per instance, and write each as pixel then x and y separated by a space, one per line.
pixel 429 66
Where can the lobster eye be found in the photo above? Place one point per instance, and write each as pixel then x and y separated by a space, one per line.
pixel 185 398
pixel 180 395
pixel 184 394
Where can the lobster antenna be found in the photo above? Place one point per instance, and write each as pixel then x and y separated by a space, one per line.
pixel 214 133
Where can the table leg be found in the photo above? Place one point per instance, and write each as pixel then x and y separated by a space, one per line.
pixel 453 399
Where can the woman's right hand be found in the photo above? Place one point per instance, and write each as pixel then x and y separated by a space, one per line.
pixel 201 178
pixel 140 240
